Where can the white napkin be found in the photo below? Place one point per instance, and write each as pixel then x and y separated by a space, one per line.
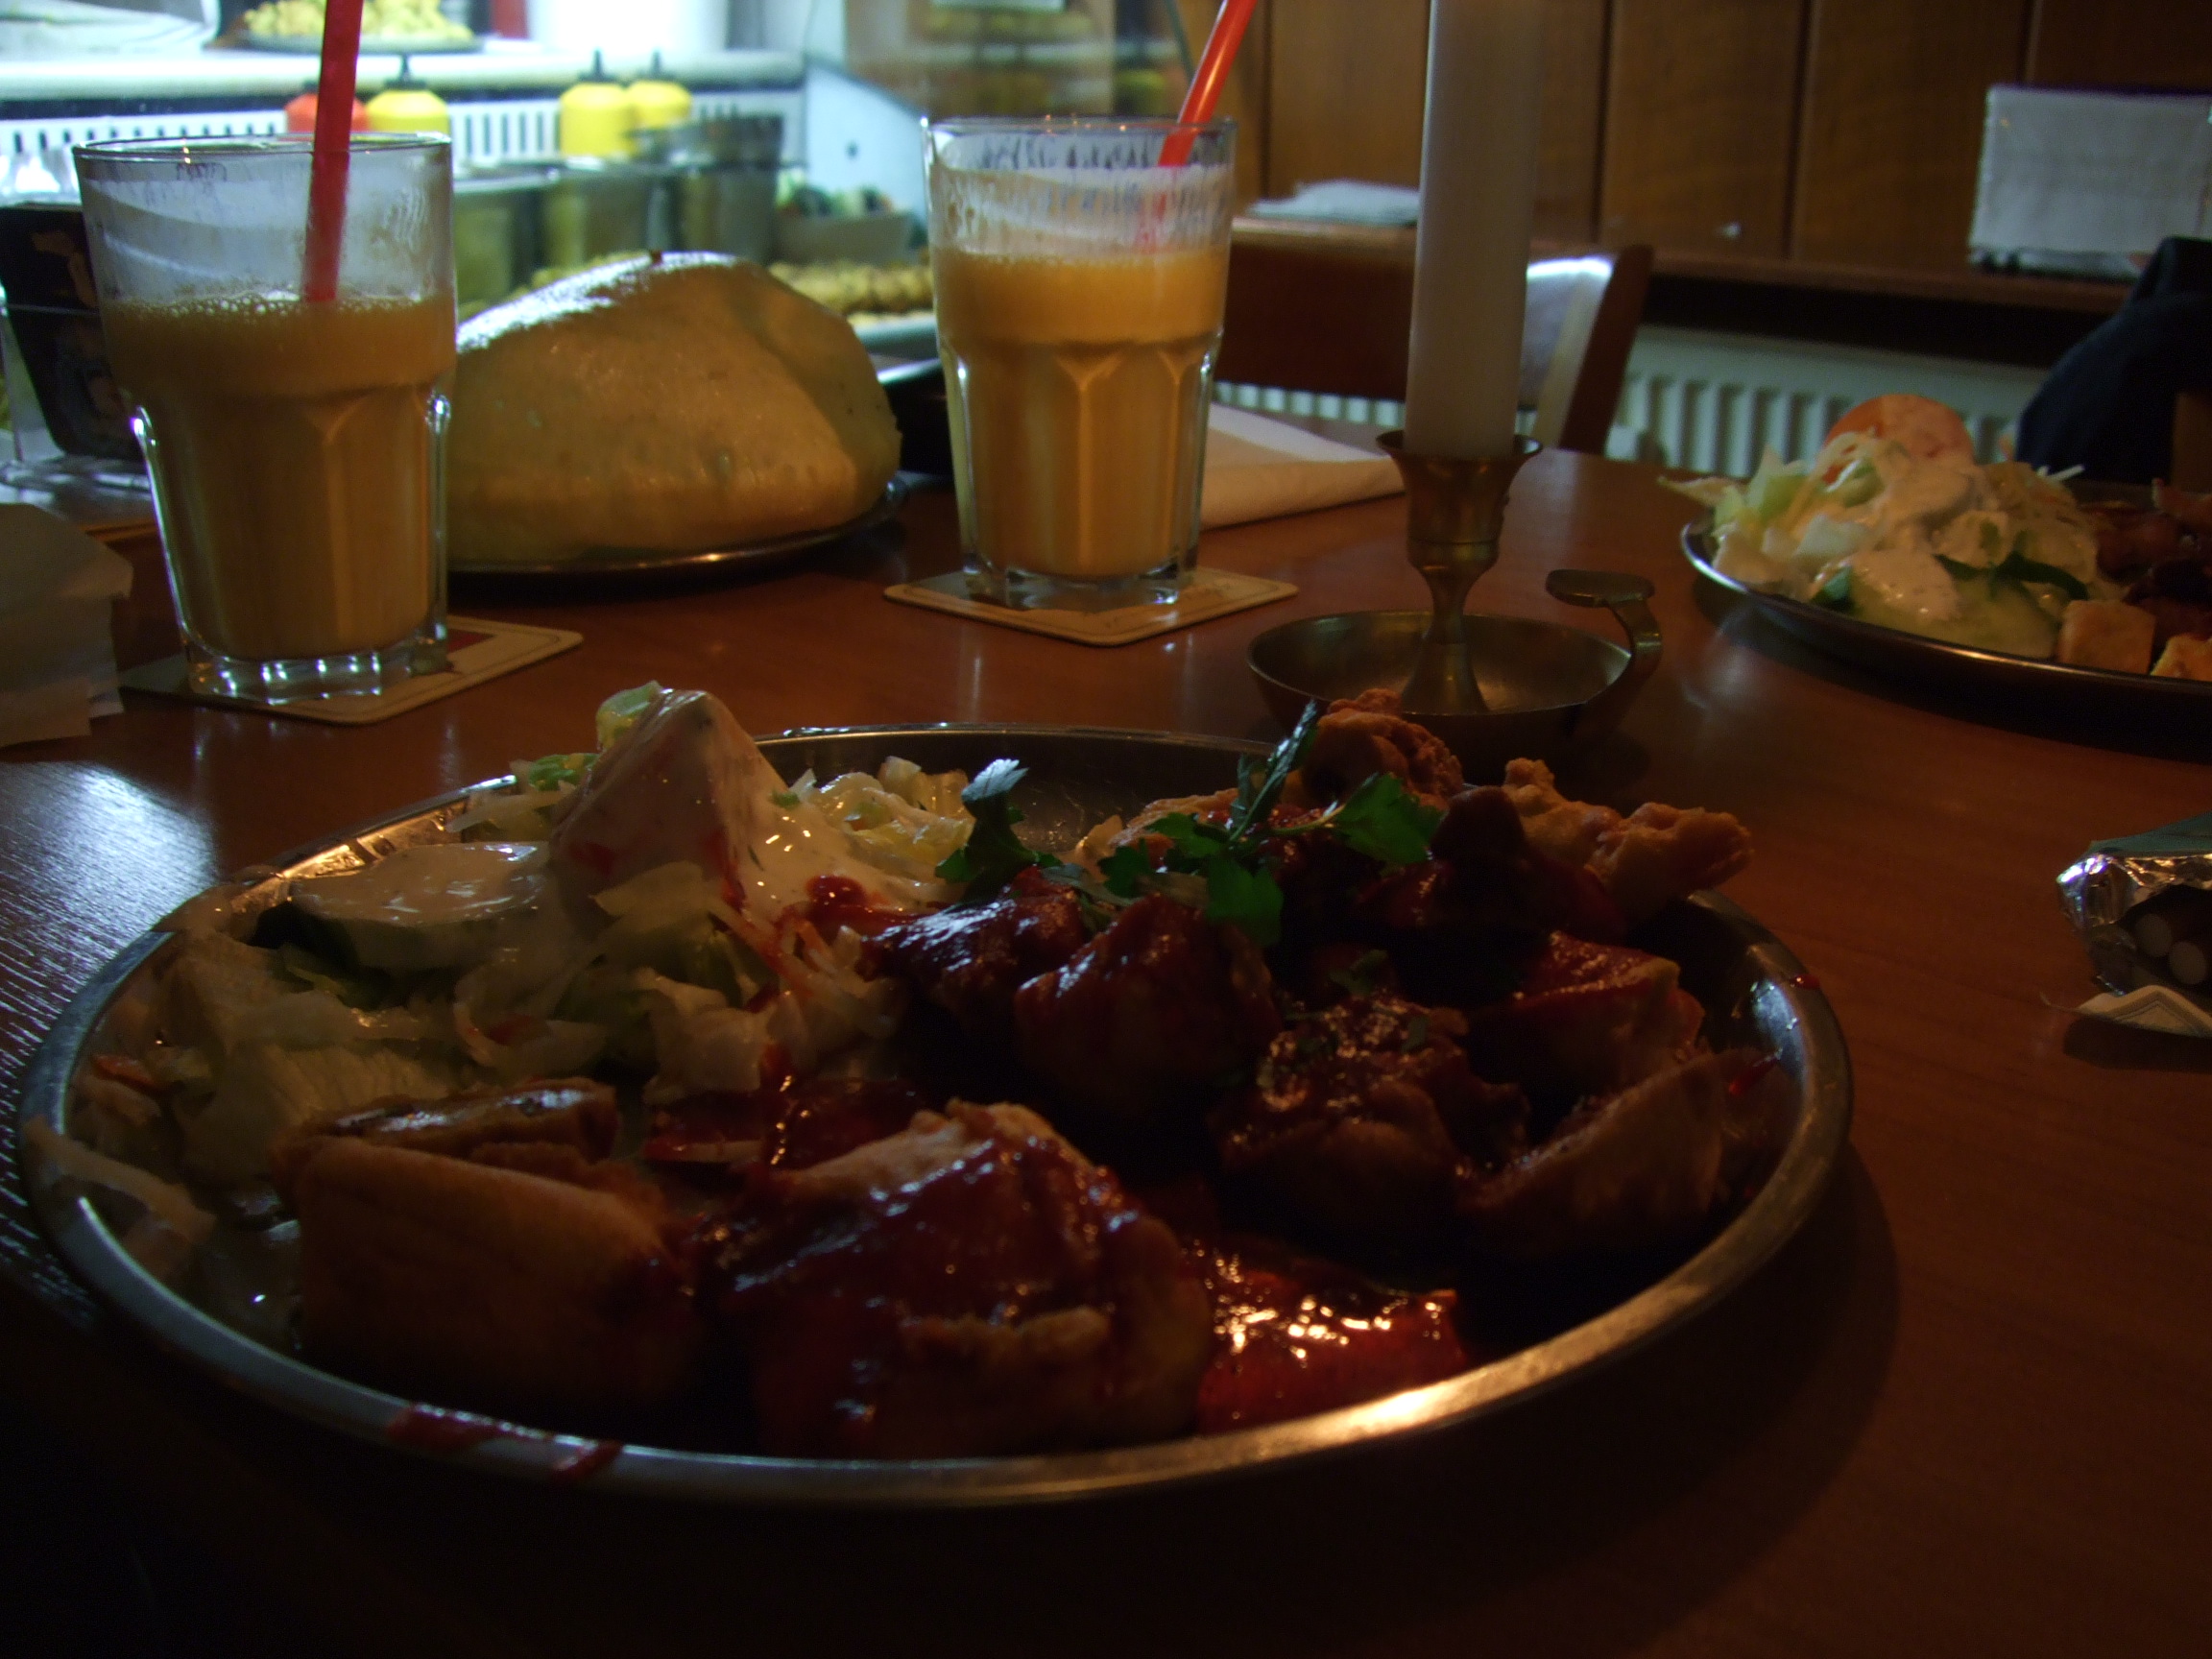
pixel 1261 469
pixel 1348 201
pixel 58 594
pixel 2152 1008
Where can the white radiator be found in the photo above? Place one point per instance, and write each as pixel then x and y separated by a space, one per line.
pixel 1715 401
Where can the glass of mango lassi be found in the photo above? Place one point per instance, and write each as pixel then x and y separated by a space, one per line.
pixel 295 448
pixel 1080 267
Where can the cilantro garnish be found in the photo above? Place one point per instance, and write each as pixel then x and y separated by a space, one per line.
pixel 1234 859
pixel 992 855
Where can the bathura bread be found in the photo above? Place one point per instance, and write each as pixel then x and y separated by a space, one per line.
pixel 672 403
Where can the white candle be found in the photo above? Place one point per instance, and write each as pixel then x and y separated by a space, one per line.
pixel 1471 252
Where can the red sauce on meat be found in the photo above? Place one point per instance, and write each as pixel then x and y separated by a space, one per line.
pixel 1293 1335
pixel 1749 1079
pixel 789 1125
pixel 583 1462
pixel 433 1429
pixel 837 902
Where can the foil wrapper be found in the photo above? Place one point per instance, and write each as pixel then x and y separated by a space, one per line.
pixel 2108 883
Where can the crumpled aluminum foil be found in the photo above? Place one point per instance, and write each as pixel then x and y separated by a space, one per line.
pixel 2110 881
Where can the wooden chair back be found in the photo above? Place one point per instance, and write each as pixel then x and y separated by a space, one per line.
pixel 1311 317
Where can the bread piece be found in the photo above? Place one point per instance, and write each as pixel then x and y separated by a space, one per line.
pixel 672 403
pixel 2108 634
pixel 489 1288
pixel 2185 658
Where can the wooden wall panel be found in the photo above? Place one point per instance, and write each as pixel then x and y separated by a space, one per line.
pixel 1244 100
pixel 1701 116
pixel 2121 43
pixel 1346 90
pixel 1891 137
pixel 1574 109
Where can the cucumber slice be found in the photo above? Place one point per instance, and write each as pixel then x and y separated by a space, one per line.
pixel 447 906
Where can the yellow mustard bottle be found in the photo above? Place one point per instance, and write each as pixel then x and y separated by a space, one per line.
pixel 407 106
pixel 595 116
pixel 657 102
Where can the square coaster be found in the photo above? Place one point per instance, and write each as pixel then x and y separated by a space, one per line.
pixel 475 651
pixel 1208 594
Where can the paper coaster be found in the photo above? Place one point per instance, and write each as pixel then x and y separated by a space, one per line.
pixel 475 651
pixel 1208 594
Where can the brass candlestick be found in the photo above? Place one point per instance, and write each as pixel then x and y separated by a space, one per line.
pixel 1454 512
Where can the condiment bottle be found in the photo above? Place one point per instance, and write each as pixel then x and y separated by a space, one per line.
pixel 300 114
pixel 407 106
pixel 595 116
pixel 655 102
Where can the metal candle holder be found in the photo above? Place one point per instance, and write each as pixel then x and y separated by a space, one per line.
pixel 1454 512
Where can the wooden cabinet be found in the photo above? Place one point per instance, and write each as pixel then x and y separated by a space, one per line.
pixel 1701 114
pixel 1344 93
pixel 1890 138
pixel 2121 43
pixel 1346 86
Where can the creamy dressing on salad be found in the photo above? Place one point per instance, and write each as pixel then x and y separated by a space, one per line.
pixel 1987 556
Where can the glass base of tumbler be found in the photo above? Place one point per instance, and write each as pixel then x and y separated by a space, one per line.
pixel 274 683
pixel 1035 591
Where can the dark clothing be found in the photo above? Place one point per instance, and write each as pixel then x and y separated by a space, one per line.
pixel 2109 405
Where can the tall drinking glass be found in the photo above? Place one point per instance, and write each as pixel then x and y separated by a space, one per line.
pixel 297 448
pixel 1079 292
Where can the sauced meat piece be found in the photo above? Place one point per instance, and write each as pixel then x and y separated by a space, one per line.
pixel 971 1287
pixel 573 1112
pixel 1458 924
pixel 807 1121
pixel 1294 1334
pixel 1645 1166
pixel 1361 1117
pixel 969 960
pixel 1587 1020
pixel 1362 736
pixel 1150 1016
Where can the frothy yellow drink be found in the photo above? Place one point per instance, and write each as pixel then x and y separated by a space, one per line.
pixel 1079 391
pixel 293 461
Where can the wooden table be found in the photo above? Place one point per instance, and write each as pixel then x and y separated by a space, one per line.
pixel 1965 1413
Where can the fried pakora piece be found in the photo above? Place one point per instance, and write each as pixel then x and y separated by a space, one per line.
pixel 1147 1017
pixel 971 1287
pixel 1587 1020
pixel 969 960
pixel 573 1112
pixel 1362 736
pixel 1361 1117
pixel 1648 1165
pixel 489 1288
pixel 1656 853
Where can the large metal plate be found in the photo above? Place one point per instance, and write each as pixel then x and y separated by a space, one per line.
pixel 626 566
pixel 1753 989
pixel 1916 659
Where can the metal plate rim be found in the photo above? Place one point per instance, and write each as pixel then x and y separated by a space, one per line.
pixel 290 1384
pixel 1874 646
pixel 765 555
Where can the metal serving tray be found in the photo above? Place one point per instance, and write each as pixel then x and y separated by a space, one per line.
pixel 1753 989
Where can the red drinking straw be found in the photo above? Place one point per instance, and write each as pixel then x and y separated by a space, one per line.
pixel 333 121
pixel 1210 77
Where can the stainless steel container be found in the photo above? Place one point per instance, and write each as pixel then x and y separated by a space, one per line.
pixel 724 182
pixel 497 231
